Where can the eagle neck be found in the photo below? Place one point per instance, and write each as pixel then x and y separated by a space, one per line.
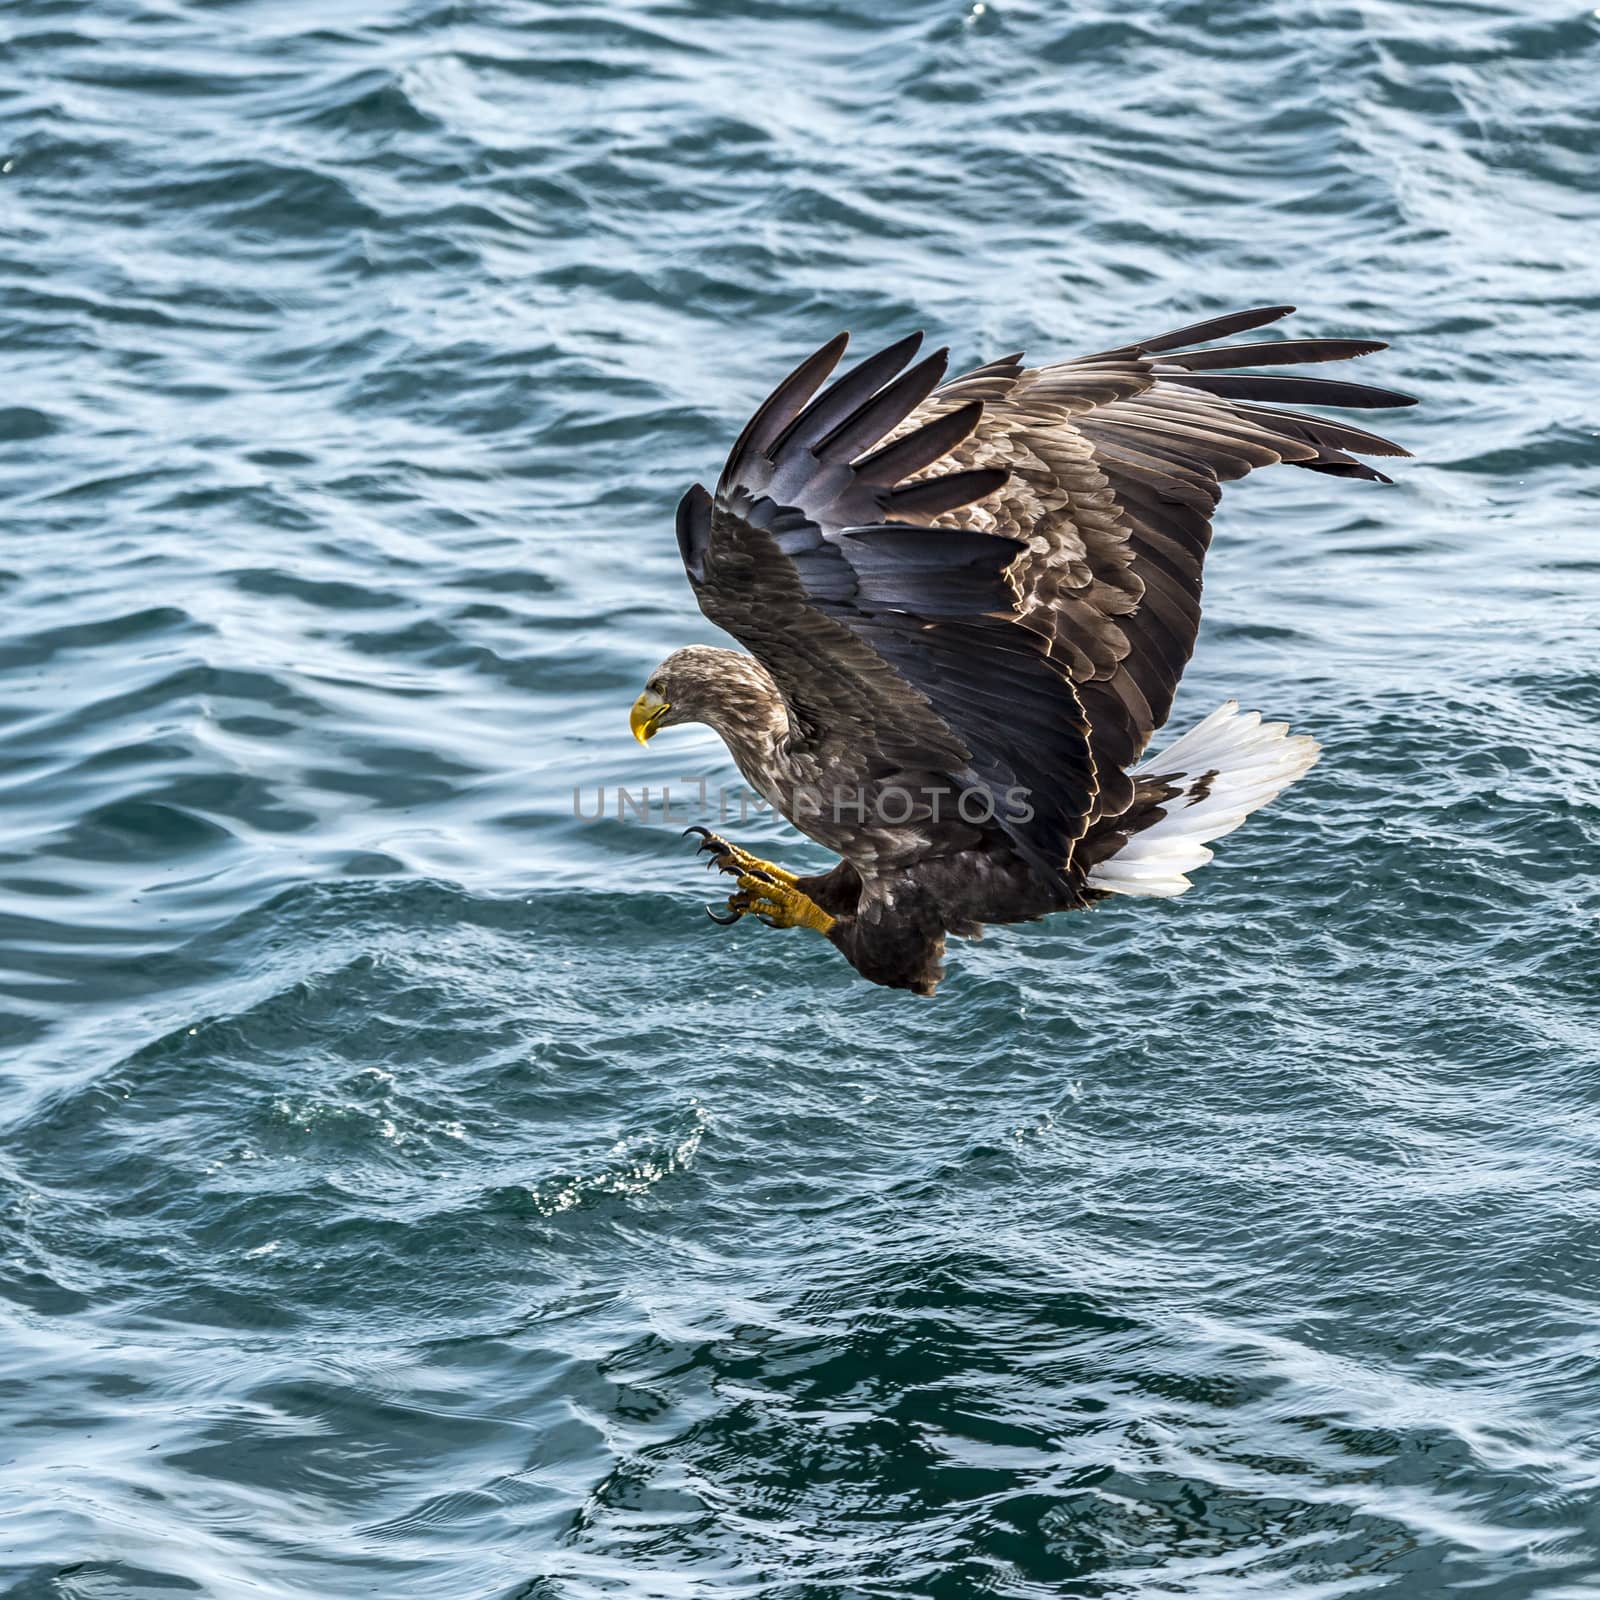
pixel 747 709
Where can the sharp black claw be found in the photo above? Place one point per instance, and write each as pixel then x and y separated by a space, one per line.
pixel 722 922
pixel 709 841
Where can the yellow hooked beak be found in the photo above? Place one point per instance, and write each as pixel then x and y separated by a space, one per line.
pixel 645 718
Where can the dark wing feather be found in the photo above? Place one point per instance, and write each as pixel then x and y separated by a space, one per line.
pixel 1273 353
pixel 1117 461
pixel 1308 391
pixel 894 644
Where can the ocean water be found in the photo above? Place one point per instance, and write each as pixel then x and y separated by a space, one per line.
pixel 404 1191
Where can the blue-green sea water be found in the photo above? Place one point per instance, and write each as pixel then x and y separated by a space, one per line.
pixel 404 1191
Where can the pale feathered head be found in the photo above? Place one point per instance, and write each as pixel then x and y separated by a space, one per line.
pixel 726 689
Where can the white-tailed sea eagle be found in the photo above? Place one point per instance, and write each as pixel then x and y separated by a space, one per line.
pixel 967 605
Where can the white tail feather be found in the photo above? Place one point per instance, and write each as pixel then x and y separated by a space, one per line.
pixel 1249 762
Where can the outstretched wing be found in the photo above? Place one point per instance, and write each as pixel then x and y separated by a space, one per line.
pixel 1117 461
pixel 896 646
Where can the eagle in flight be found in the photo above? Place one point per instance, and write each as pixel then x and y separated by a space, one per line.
pixel 966 607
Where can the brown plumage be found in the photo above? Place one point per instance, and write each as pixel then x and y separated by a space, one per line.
pixel 968 607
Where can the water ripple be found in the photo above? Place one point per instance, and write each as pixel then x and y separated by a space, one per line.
pixel 406 1191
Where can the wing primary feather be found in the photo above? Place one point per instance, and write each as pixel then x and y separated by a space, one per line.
pixel 784 404
pixel 914 451
pixel 1273 353
pixel 934 496
pixel 845 394
pixel 886 409
pixel 1306 391
pixel 1344 467
pixel 1195 333
pixel 694 531
pixel 1212 328
pixel 1329 431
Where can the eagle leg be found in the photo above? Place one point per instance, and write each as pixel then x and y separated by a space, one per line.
pixel 731 859
pixel 779 905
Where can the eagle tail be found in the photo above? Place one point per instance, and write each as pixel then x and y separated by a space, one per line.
pixel 1199 788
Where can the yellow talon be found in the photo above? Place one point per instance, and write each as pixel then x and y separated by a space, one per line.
pixel 765 889
pixel 779 905
pixel 746 862
pixel 733 859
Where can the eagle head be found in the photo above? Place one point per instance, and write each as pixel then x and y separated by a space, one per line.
pixel 700 683
pixel 684 688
